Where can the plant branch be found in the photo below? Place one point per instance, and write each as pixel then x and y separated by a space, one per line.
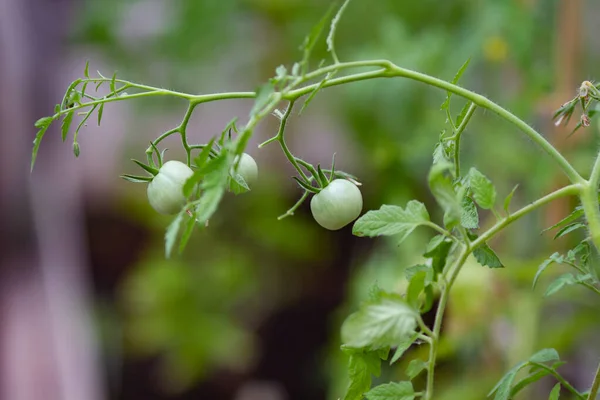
pixel 562 380
pixel 595 385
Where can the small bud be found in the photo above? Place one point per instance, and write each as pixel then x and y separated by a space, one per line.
pixel 76 149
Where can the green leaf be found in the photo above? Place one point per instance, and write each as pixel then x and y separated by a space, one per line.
pixel 334 22
pixel 463 112
pixel 576 214
pixel 263 96
pixel 502 388
pixel 438 249
pixel 43 122
pixel 487 257
pixel 187 233
pixel 544 355
pixel 36 144
pixel 568 229
pixel 555 393
pixel 443 191
pixel 237 184
pixel 392 220
pixel 415 367
pixel 66 123
pixel 415 287
pixel 86 70
pixel 76 149
pixel 136 179
pixel 455 80
pixel 483 190
pixel 508 199
pixel 172 232
pixel 469 217
pixel 565 280
pixel 360 368
pixel 554 258
pixel 112 82
pixel 100 112
pixel 402 347
pixel 409 272
pixel 392 391
pixel 386 322
pixel 311 40
pixel 528 380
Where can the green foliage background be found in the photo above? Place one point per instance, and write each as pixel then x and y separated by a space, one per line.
pixel 199 312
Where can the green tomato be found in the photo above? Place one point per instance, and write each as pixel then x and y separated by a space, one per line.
pixel 247 168
pixel 165 191
pixel 337 205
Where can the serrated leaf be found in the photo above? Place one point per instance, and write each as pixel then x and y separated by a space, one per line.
pixel 172 232
pixel 409 272
pixel 554 258
pixel 402 347
pixel 455 80
pixel 483 189
pixel 568 229
pixel 469 217
pixel 379 324
pixel 555 393
pixel 360 368
pixel 66 123
pixel 392 220
pixel 438 249
pixel 502 388
pixel 36 144
pixel 487 257
pixel 100 112
pixel 565 280
pixel 508 199
pixel 415 367
pixel 392 391
pixel 545 355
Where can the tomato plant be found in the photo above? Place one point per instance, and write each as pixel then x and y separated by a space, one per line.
pixel 389 323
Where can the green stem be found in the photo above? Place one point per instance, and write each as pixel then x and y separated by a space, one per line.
pixel 458 134
pixel 439 316
pixel 589 201
pixel 558 377
pixel 595 385
pixel 293 209
pixel 281 139
pixel 182 128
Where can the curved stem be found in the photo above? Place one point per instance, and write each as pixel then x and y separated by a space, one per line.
pixel 281 139
pixel 558 377
pixel 182 128
pixel 458 134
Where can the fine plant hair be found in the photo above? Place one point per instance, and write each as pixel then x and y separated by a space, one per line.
pixel 387 323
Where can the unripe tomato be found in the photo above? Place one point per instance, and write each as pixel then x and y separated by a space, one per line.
pixel 165 192
pixel 337 205
pixel 247 168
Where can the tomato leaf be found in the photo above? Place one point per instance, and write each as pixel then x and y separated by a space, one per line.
pixel 136 178
pixel 566 280
pixel 66 123
pixel 392 391
pixel 487 257
pixel 100 112
pixel 568 229
pixel 455 80
pixel 555 393
pixel 502 388
pixel 311 40
pixel 469 217
pixel 361 366
pixel 36 144
pixel 438 249
pixel 508 199
pixel 415 367
pixel 403 346
pixel 554 258
pixel 442 189
pixel 172 232
pixel 415 287
pixel 544 355
pixel 386 322
pixel 483 190
pixel 392 220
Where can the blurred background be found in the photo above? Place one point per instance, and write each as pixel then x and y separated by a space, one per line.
pixel 91 309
